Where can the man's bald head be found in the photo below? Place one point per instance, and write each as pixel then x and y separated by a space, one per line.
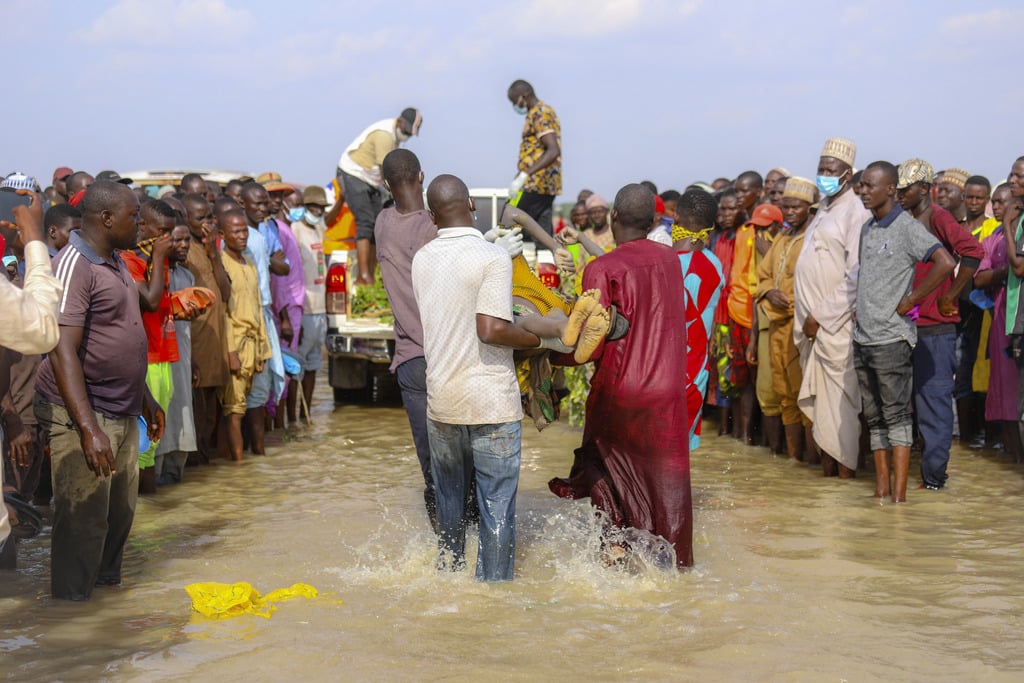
pixel 192 182
pixel 104 195
pixel 448 199
pixel 634 208
pixel 79 180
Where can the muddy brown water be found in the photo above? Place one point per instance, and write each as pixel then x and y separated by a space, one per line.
pixel 797 578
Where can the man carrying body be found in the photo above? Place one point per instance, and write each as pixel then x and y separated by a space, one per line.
pixel 360 174
pixel 825 290
pixel 934 355
pixel 540 156
pixel 462 285
pixel 634 461
pixel 91 391
pixel 891 245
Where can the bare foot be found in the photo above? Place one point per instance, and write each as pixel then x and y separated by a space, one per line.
pixel 594 331
pixel 588 302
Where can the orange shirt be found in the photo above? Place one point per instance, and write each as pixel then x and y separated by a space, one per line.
pixel 743 278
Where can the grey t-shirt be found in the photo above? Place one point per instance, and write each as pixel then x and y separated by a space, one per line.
pixel 889 252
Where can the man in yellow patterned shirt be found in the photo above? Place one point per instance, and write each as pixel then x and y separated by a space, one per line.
pixel 540 156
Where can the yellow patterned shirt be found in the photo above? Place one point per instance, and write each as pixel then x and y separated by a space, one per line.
pixel 541 120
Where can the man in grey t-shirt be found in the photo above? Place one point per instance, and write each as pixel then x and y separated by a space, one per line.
pixel 891 244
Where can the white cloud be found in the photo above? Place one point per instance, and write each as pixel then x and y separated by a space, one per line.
pixel 994 21
pixel 593 17
pixel 166 22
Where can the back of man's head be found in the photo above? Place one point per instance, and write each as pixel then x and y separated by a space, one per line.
pixel 634 207
pixel 696 210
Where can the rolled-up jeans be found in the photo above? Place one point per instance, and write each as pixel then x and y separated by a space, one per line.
pixel 884 374
pixel 494 451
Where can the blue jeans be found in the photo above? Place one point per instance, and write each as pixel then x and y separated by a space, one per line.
pixel 494 451
pixel 412 381
pixel 934 365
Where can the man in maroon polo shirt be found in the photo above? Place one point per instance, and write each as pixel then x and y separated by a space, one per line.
pixel 934 357
pixel 90 392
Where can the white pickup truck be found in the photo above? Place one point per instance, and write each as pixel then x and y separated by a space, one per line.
pixel 359 350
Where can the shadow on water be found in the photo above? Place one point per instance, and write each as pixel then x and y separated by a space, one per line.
pixel 797 578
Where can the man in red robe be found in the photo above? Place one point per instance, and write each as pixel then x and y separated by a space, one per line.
pixel 634 462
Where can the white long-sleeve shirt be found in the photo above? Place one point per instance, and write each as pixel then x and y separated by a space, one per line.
pixel 28 322
pixel 28 316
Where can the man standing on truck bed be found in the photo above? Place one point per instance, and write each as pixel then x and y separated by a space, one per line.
pixel 359 171
pixel 540 155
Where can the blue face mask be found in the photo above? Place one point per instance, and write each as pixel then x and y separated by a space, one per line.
pixel 519 110
pixel 10 260
pixel 828 185
pixel 295 215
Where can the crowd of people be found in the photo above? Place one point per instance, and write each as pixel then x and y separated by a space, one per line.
pixel 824 318
pixel 190 324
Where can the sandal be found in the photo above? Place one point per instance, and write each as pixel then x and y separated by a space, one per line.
pixel 185 303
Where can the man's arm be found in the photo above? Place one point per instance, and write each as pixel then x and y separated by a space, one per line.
pixel 957 240
pixel 498 332
pixel 29 315
pixel 219 274
pixel 279 263
pixel 151 291
pixel 67 368
pixel 551 151
pixel 942 266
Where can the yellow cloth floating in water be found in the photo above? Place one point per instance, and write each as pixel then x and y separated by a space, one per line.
pixel 227 600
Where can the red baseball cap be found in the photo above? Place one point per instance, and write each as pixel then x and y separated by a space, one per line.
pixel 62 172
pixel 765 215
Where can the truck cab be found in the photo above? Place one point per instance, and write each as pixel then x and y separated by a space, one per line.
pixel 360 346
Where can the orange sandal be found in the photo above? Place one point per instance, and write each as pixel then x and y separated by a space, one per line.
pixel 187 302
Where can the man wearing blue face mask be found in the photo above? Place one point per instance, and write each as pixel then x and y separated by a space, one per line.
pixel 540 156
pixel 825 295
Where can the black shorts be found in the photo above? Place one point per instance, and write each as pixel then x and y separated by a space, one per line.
pixel 539 208
pixel 365 203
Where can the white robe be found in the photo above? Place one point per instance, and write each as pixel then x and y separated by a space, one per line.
pixel 825 285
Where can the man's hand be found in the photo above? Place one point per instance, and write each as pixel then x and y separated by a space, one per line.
pixel 21 447
pixel 517 185
pixel 564 260
pixel 98 455
pixel 904 306
pixel 28 220
pixel 568 235
pixel 259 366
pixel 161 247
pixel 778 299
pixel 234 364
pixel 287 331
pixel 811 327
pixel 947 307
pixel 511 241
pixel 196 375
pixel 752 350
pixel 762 245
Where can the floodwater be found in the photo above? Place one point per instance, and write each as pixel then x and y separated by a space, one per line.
pixel 797 578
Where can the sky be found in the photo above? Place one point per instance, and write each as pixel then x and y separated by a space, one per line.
pixel 672 92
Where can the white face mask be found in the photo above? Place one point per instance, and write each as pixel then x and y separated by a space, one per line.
pixel 311 219
pixel 402 135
